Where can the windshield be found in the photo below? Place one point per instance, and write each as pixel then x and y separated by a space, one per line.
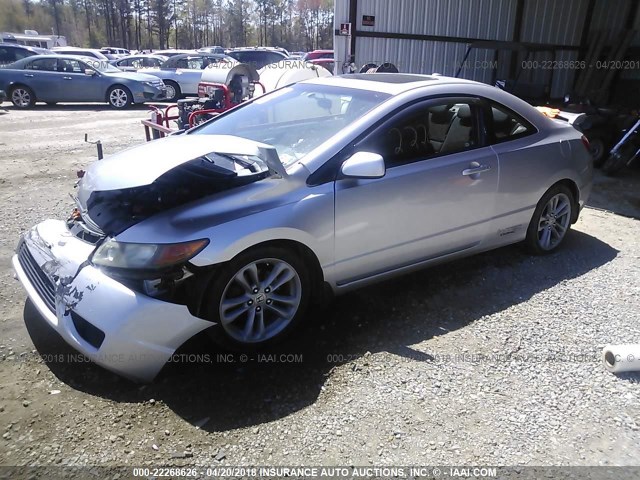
pixel 296 119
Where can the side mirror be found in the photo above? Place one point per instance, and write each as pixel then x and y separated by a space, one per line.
pixel 364 165
pixel 89 71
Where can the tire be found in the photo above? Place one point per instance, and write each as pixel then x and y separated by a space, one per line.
pixel 119 97
pixel 250 306
pixel 598 149
pixel 173 91
pixel 22 97
pixel 551 220
pixel 617 162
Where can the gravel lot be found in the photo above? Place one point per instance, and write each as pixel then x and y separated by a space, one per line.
pixel 493 360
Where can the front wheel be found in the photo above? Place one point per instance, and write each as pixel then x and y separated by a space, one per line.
pixel 119 97
pixel 257 298
pixel 551 220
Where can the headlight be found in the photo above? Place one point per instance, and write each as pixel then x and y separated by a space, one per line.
pixel 145 256
pixel 153 84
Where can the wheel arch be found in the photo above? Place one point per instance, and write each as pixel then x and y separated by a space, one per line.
pixel 115 85
pixel 320 289
pixel 575 193
pixel 12 86
pixel 309 257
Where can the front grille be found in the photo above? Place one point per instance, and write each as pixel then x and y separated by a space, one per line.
pixel 43 285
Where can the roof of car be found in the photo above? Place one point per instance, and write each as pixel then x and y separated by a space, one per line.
pixel 144 55
pixel 392 83
pixel 58 56
pixel 258 49
pixel 25 47
pixel 198 54
pixel 56 49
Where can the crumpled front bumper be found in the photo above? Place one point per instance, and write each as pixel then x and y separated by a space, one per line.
pixel 124 331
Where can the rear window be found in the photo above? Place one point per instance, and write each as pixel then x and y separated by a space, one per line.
pixel 258 58
pixel 44 64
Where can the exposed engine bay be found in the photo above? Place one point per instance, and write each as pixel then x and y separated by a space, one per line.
pixel 113 211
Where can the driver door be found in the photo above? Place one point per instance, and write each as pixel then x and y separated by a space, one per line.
pixel 436 198
pixel 76 85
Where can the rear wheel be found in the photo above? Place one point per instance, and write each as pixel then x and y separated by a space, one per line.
pixel 257 298
pixel 551 220
pixel 598 149
pixel 173 90
pixel 22 97
pixel 119 97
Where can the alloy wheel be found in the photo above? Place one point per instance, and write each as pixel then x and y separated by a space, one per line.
pixel 554 221
pixel 118 98
pixel 260 300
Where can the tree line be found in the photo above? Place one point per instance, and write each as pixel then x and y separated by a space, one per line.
pixel 159 24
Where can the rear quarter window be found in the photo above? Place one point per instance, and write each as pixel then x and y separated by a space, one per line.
pixel 507 125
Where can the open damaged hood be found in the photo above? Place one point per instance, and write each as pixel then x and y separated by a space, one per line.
pixel 142 165
pixel 126 188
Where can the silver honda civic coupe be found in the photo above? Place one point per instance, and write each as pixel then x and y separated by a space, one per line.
pixel 239 225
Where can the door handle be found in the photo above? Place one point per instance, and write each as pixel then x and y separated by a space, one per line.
pixel 475 170
pixel 28 75
pixel 66 78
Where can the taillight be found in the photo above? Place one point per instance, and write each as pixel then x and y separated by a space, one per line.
pixel 585 142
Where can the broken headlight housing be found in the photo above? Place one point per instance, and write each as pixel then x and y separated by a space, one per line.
pixel 145 256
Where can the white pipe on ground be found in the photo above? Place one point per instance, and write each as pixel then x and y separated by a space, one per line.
pixel 621 358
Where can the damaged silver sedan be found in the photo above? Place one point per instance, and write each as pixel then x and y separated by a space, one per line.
pixel 237 226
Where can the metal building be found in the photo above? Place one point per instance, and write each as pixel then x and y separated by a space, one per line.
pixel 431 36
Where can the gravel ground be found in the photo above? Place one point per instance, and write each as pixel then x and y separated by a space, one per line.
pixel 492 360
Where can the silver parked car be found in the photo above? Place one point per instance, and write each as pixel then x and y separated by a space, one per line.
pixel 181 73
pixel 238 226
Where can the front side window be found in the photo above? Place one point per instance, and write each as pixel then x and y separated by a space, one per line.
pixel 296 119
pixel 71 66
pixel 422 132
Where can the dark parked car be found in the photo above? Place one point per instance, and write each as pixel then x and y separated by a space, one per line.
pixel 258 57
pixel 10 52
pixel 67 78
